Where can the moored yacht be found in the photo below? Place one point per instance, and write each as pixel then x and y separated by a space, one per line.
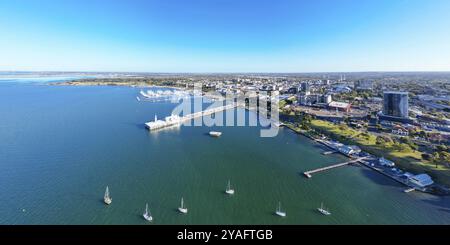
pixel 107 199
pixel 323 211
pixel 147 215
pixel 279 212
pixel 182 208
pixel 215 133
pixel 229 191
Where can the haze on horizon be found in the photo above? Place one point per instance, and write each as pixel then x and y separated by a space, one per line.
pixel 225 35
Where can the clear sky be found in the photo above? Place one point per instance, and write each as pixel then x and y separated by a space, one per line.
pixel 225 35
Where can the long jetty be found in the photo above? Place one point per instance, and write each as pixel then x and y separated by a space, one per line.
pixel 208 112
pixel 176 120
pixel 309 174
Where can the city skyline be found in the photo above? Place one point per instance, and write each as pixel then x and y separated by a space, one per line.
pixel 225 36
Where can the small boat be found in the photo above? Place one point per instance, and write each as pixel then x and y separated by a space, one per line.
pixel 229 191
pixel 107 199
pixel 215 134
pixel 279 212
pixel 182 208
pixel 322 210
pixel 147 215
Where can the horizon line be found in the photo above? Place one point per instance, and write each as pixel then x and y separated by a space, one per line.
pixel 247 72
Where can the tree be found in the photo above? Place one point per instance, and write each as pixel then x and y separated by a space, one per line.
pixel 441 148
pixel 435 159
pixel 379 127
pixel 426 157
pixel 445 158
pixel 414 147
pixel 347 120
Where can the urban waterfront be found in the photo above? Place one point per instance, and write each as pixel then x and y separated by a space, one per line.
pixel 60 146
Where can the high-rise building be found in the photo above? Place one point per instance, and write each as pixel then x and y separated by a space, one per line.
pixel 363 85
pixel 395 104
pixel 304 87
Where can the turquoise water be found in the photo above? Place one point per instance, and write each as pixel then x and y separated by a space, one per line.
pixel 60 146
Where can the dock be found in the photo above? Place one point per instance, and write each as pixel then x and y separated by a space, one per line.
pixel 309 174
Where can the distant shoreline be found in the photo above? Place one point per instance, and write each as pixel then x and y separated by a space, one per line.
pixel 114 82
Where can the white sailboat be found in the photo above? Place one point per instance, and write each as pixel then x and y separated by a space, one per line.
pixel 147 215
pixel 215 133
pixel 279 212
pixel 322 210
pixel 107 199
pixel 229 191
pixel 182 208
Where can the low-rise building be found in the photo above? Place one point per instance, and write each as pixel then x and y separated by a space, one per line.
pixel 341 106
pixel 349 150
pixel 421 180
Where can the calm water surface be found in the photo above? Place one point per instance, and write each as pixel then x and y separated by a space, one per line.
pixel 60 146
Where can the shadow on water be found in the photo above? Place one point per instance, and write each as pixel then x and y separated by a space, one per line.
pixel 378 178
pixel 89 197
pixel 140 126
pixel 444 210
pixel 321 147
pixel 102 201
pixel 302 175
pixel 442 203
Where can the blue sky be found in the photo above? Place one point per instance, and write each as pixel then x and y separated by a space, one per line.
pixel 225 35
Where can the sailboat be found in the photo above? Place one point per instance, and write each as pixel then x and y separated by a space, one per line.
pixel 229 191
pixel 322 210
pixel 182 208
pixel 279 212
pixel 215 133
pixel 147 215
pixel 107 199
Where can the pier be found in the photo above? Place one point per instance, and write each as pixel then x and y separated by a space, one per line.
pixel 309 174
pixel 175 120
